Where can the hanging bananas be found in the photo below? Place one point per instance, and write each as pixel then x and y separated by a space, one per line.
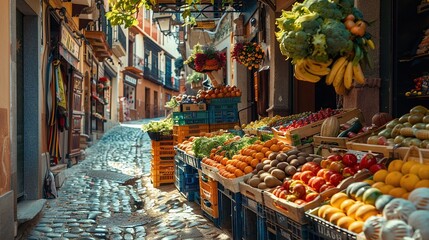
pixel 310 70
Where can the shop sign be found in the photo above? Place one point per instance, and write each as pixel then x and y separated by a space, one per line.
pixel 68 57
pixel 205 25
pixel 130 80
pixel 69 42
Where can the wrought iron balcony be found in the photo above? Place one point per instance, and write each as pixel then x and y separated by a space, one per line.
pixel 153 74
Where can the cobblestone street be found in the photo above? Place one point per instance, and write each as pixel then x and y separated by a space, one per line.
pixel 109 195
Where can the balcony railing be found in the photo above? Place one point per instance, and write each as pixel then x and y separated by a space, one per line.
pixel 173 84
pixel 153 74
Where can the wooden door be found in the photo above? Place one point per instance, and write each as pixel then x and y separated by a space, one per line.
pixel 77 113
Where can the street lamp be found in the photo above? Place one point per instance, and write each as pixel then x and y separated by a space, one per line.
pixel 164 23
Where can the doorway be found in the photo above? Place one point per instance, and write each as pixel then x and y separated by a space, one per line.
pixel 147 102
pixel 155 104
pixel 20 102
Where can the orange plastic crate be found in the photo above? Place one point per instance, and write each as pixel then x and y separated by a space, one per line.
pixel 164 145
pixel 156 152
pixel 212 210
pixel 162 175
pixel 162 162
pixel 182 133
pixel 208 190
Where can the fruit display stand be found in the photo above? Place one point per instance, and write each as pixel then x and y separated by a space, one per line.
pixel 209 171
pixel 294 137
pixel 232 184
pixel 252 193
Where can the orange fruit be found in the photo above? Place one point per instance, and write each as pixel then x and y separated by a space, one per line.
pixel 254 162
pixel 406 167
pixel 259 155
pixel 378 185
pixel 264 150
pixel 275 148
pixel 275 140
pixel 238 173
pixel 268 143
pixel 422 183
pixel 393 178
pixel 248 169
pixel 380 175
pixel 408 181
pixel 395 165
pixel 397 192
pixel 424 172
pixel 268 153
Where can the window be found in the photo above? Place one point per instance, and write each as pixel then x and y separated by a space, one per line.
pixel 147 14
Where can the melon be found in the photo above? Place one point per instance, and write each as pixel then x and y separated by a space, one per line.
pixel 330 127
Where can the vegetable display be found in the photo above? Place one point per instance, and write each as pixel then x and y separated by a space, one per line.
pixel 325 38
pixel 165 125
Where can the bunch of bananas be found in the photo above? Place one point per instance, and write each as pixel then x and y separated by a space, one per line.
pixel 310 70
pixel 342 74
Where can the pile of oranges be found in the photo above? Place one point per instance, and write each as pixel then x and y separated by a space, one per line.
pixel 247 159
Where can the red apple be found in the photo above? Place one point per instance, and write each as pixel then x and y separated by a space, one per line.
pixel 328 175
pixel 316 183
pixel 282 194
pixel 325 187
pixel 321 172
pixel 367 161
pixel 335 179
pixel 350 160
pixel 325 163
pixel 286 184
pixel 374 168
pixel 299 191
pixel 276 192
pixel 310 166
pixel 311 196
pixel 335 157
pixel 348 171
pixel 336 167
pixel 297 176
pixel 306 175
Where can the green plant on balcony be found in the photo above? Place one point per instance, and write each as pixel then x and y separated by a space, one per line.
pixel 124 12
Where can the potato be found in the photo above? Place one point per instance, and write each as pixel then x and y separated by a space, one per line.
pixel 274 163
pixel 259 167
pixel 301 160
pixel 272 155
pixel 264 175
pixel 279 174
pixel 266 167
pixel 281 157
pixel 282 165
pixel 295 163
pixel 271 181
pixel 254 182
pixel 290 158
pixel 262 185
pixel 292 152
pixel 290 170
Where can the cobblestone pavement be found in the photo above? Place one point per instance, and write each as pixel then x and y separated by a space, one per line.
pixel 95 203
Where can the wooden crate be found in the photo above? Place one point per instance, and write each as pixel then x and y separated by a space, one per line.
pixel 293 137
pixel 193 107
pixel 251 192
pixel 385 150
pixel 414 154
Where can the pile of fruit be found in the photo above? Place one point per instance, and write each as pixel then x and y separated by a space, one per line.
pixel 314 117
pixel 421 86
pixel 400 178
pixel 362 208
pixel 246 159
pixel 220 92
pixel 261 123
pixel 325 38
pixel 187 146
pixel 411 129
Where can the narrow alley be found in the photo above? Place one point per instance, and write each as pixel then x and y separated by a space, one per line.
pixel 109 196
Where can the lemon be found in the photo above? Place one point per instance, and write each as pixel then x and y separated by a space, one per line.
pixel 405 169
pixel 424 172
pixel 408 181
pixel 385 189
pixel 393 178
pixel 397 192
pixel 380 175
pixel 322 210
pixel 395 165
pixel 422 183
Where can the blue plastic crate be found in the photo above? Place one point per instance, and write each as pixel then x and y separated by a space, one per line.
pixel 180 154
pixel 186 118
pixel 294 229
pixel 190 196
pixel 291 234
pixel 193 161
pixel 223 113
pixel 230 215
pixel 215 221
pixel 185 182
pixel 230 100
pixel 253 205
pixel 254 225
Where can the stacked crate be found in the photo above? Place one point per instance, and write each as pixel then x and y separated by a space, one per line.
pixel 209 198
pixel 254 221
pixel 186 180
pixel 231 215
pixel 223 113
pixel 162 164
